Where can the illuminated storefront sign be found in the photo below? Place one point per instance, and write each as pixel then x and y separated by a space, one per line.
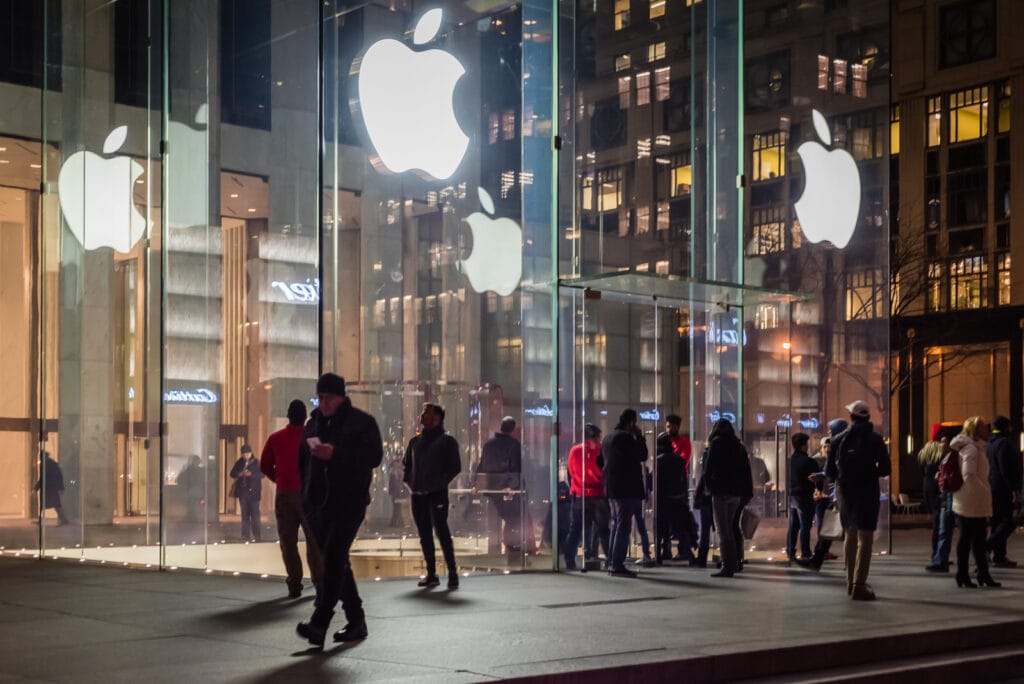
pixel 541 411
pixel 307 292
pixel 653 414
pixel 199 396
pixel 829 207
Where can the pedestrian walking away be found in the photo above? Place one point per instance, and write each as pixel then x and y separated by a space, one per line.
pixel 279 462
pixel 340 449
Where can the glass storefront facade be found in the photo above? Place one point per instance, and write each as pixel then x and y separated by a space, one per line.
pixel 552 211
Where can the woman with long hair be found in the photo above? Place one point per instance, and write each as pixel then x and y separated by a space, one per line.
pixel 972 503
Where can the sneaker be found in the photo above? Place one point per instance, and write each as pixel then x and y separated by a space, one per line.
pixel 352 632
pixel 621 572
pixel 429 581
pixel 862 592
pixel 453 580
pixel 310 633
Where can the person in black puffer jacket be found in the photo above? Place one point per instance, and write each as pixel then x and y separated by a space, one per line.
pixel 801 498
pixel 623 452
pixel 729 481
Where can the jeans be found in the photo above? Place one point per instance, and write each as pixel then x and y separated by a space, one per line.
pixel 593 513
pixel 290 517
pixel 801 514
pixel 334 532
pixel 972 541
pixel 430 513
pixel 1002 525
pixel 250 506
pixel 942 530
pixel 820 506
pixel 857 549
pixel 727 510
pixel 623 512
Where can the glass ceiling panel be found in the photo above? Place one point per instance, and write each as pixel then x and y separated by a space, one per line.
pixel 671 290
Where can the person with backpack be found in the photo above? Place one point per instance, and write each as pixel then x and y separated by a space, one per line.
pixel 972 502
pixel 857 459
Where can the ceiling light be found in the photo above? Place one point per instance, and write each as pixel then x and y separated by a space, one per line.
pixel 36 166
pixel 234 195
pixel 252 210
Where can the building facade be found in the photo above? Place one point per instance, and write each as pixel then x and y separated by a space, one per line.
pixel 550 211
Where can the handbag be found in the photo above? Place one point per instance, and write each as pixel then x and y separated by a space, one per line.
pixel 749 520
pixel 831 527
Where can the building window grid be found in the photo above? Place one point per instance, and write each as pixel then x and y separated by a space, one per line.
pixel 1003 114
pixel 968 114
pixel 622 62
pixel 621 14
pixel 934 121
pixel 769 158
pixel 864 295
pixel 662 78
pixel 894 130
pixel 657 8
pixel 609 189
pixel 859 78
pixel 967 283
pixel 1003 280
pixel 643 88
pixel 655 52
pixel 823 72
pixel 839 76
pixel 624 86
pixel 768 231
pixel 934 300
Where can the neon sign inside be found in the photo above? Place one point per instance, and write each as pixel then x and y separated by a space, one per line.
pixel 308 291
pixel 199 396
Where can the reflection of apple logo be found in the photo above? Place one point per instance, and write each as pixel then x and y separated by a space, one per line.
pixel 496 262
pixel 829 207
pixel 96 196
pixel 406 98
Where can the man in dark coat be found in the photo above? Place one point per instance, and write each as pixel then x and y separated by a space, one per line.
pixel 1004 477
pixel 801 498
pixel 729 482
pixel 856 459
pixel 431 462
pixel 249 490
pixel 623 452
pixel 51 484
pixel 672 505
pixel 500 466
pixel 337 456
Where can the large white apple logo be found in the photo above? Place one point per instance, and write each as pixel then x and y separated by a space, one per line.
pixel 96 196
pixel 830 205
pixel 406 98
pixel 496 262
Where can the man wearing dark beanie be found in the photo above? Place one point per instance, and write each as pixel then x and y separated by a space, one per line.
pixel 341 446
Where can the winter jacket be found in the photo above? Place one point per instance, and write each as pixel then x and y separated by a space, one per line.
pixel 856 459
pixel 974 498
pixel 672 479
pixel 431 461
pixel 727 468
pixel 622 457
pixel 1004 476
pixel 501 462
pixel 585 476
pixel 252 486
pixel 280 458
pixel 801 467
pixel 341 483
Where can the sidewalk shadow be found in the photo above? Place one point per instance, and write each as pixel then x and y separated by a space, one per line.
pixel 251 614
pixel 445 597
pixel 311 668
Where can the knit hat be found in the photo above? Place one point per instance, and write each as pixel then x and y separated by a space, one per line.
pixel 936 431
pixel 246 449
pixel 330 383
pixel 837 426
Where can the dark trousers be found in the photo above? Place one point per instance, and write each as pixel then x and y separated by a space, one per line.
pixel 509 509
pixel 591 512
pixel 943 523
pixel 430 513
pixel 334 533
pixel 738 528
pixel 1002 525
pixel 675 521
pixel 706 523
pixel 972 541
pixel 820 506
pixel 641 528
pixel 290 517
pixel 250 506
pixel 801 515
pixel 623 512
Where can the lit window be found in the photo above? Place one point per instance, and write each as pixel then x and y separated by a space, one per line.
pixel 1004 109
pixel 822 72
pixel 682 179
pixel 621 14
pixel 769 156
pixel 643 220
pixel 662 89
pixel 609 189
pixel 934 301
pixel 934 121
pixel 859 76
pixel 643 148
pixel 655 51
pixel 508 181
pixel 644 267
pixel 1003 279
pixel 768 231
pixel 968 114
pixel 839 75
pixel 622 62
pixel 864 290
pixel 663 216
pixel 587 194
pixel 657 8
pixel 643 88
pixel 661 267
pixel 624 92
pixel 894 130
pixel 766 316
pixel 967 283
pixel 492 128
pixel 508 124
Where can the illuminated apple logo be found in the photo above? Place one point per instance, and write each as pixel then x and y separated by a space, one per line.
pixel 496 261
pixel 829 207
pixel 406 98
pixel 96 196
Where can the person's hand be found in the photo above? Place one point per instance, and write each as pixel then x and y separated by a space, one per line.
pixel 473 491
pixel 246 473
pixel 323 451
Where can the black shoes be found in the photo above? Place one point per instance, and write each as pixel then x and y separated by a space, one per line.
pixel 965 583
pixel 723 573
pixel 352 632
pixel 311 633
pixel 429 582
pixel 453 580
pixel 862 592
pixel 620 572
pixel 987 581
pixel 937 568
pixel 1004 563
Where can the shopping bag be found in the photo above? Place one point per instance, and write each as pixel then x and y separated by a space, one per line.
pixel 749 520
pixel 831 527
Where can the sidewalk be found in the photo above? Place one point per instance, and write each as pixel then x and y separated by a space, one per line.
pixel 64 621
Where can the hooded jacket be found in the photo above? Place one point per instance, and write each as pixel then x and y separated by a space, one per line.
pixel 856 459
pixel 727 467
pixel 974 499
pixel 1004 462
pixel 585 477
pixel 623 454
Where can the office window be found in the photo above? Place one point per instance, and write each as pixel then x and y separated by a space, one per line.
pixel 643 148
pixel 766 82
pixel 1004 109
pixel 859 78
pixel 864 136
pixel 967 32
pixel 663 216
pixel 934 121
pixel 492 128
pixel 766 316
pixel 894 130
pixel 587 192
pixel 768 231
pixel 662 88
pixel 839 76
pixel 682 177
pixel 1003 279
pixel 657 8
pixel 245 62
pixel 968 114
pixel 967 283
pixel 508 124
pixel 864 295
pixel 609 189
pixel 934 299
pixel 769 158
pixel 624 99
pixel 643 220
pixel 655 51
pixel 822 72
pixel 621 14
pixel 22 53
pixel 643 88
pixel 622 62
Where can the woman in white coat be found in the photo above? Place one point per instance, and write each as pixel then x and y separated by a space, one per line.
pixel 972 503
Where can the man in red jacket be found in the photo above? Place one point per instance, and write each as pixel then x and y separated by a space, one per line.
pixel 588 502
pixel 280 463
